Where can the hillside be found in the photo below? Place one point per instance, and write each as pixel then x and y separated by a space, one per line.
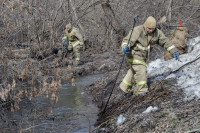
pixel 170 106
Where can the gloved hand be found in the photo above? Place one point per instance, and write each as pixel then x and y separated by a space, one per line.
pixel 176 55
pixel 65 43
pixel 81 48
pixel 63 39
pixel 126 50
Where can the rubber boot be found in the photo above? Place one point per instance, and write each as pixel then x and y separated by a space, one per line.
pixel 77 62
pixel 123 94
pixel 140 95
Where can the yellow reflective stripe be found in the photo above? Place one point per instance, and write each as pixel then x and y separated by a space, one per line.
pixel 124 44
pixel 127 83
pixel 64 38
pixel 143 48
pixel 171 47
pixel 76 43
pixel 77 58
pixel 141 82
pixel 136 61
pixel 71 39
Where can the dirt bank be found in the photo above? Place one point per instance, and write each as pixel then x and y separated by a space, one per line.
pixel 173 113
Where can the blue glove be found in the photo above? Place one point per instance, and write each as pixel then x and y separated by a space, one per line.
pixel 126 50
pixel 176 55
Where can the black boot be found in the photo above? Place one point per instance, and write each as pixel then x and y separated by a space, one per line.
pixel 123 94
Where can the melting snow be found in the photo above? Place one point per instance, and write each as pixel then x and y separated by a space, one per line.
pixel 120 120
pixel 188 77
pixel 150 109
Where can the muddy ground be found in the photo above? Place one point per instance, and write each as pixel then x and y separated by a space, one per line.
pixel 24 71
pixel 174 114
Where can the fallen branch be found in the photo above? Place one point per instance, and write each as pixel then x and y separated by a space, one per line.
pixel 178 69
pixel 97 128
pixel 198 57
pixel 193 131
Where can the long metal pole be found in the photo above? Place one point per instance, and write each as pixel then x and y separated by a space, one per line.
pixel 135 20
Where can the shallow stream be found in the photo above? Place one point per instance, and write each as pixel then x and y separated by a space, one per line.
pixel 73 113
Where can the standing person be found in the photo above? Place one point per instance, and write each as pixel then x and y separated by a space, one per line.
pixel 75 41
pixel 137 53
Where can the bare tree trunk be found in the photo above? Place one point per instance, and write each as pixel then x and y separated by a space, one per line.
pixel 169 11
pixel 116 31
pixel 76 15
pixel 69 11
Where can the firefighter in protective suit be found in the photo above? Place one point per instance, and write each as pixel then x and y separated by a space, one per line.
pixel 75 41
pixel 137 53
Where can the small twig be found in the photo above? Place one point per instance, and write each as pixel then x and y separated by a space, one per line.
pixel 193 131
pixel 37 126
pixel 191 15
pixel 198 57
pixel 191 117
pixel 99 126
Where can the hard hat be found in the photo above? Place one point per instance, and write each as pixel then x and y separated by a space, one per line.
pixel 150 22
pixel 68 26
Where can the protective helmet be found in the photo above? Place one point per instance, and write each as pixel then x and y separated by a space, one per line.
pixel 68 26
pixel 150 22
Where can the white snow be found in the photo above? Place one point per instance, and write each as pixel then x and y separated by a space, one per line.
pixel 120 120
pixel 150 109
pixel 188 77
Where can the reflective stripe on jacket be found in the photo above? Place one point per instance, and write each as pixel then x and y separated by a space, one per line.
pixel 141 42
pixel 77 43
pixel 74 35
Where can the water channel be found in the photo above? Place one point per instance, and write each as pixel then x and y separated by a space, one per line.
pixel 73 113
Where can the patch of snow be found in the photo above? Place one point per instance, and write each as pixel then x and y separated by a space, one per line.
pixel 173 75
pixel 188 77
pixel 192 92
pixel 193 41
pixel 150 109
pixel 120 120
pixel 102 129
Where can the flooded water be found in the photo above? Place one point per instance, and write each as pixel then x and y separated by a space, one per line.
pixel 73 113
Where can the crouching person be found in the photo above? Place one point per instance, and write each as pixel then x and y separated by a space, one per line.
pixel 73 40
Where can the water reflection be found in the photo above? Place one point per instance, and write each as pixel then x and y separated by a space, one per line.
pixel 74 111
